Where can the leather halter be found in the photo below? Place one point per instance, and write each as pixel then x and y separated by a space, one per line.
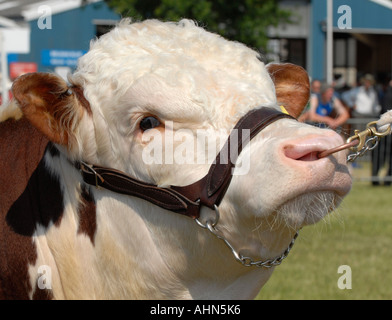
pixel 186 200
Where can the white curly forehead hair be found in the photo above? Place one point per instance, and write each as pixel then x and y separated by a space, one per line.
pixel 208 69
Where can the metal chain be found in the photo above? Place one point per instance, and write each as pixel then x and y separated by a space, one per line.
pixel 245 261
pixel 370 145
pixel 367 140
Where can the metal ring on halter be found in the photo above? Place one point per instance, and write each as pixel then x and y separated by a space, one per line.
pixel 85 167
pixel 213 223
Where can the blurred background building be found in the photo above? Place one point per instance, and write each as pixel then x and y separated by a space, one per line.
pixel 362 38
pixel 50 35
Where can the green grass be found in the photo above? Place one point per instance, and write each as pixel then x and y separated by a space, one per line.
pixel 359 235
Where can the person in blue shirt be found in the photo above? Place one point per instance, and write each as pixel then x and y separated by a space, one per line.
pixel 326 110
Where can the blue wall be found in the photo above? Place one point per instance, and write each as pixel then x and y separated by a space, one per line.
pixel 365 15
pixel 71 30
pixel 317 42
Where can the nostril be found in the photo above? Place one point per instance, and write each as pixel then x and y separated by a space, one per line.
pixel 309 148
pixel 312 156
pixel 301 153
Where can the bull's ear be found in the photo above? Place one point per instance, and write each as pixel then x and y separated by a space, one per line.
pixel 47 103
pixel 292 86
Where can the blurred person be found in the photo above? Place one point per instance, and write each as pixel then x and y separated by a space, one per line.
pixel 349 96
pixel 366 99
pixel 382 154
pixel 366 106
pixel 326 110
pixel 315 87
pixel 340 85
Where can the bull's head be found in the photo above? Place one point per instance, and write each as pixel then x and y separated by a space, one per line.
pixel 143 100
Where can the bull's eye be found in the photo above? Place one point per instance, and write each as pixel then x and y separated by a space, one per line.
pixel 149 123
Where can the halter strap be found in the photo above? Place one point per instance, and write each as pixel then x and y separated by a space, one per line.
pixel 187 200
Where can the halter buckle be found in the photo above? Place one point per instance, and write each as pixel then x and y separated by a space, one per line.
pixel 89 169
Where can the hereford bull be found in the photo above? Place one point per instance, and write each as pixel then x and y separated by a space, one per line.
pixel 83 214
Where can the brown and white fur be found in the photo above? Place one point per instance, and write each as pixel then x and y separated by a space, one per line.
pixel 97 244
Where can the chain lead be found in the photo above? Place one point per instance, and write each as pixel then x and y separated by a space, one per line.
pixel 368 140
pixel 369 145
pixel 245 261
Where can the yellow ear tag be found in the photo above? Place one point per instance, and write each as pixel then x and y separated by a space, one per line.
pixel 283 109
